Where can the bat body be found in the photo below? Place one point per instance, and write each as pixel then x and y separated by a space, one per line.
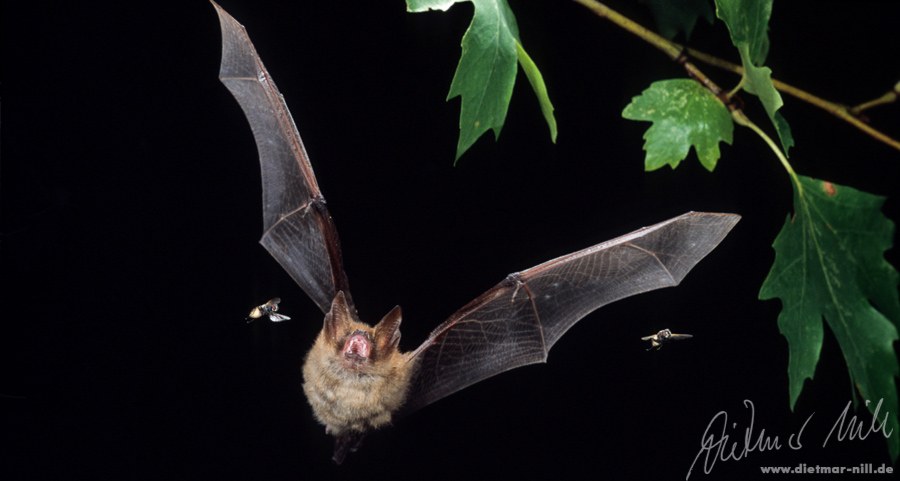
pixel 355 377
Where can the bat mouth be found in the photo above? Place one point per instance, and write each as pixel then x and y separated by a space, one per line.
pixel 358 346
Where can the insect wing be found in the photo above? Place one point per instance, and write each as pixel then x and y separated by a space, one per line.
pixel 679 337
pixel 278 317
pixel 269 307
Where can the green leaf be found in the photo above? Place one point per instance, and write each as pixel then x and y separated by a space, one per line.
pixel 683 113
pixel 673 17
pixel 829 262
pixel 748 21
pixel 784 132
pixel 537 83
pixel 487 69
pixel 758 81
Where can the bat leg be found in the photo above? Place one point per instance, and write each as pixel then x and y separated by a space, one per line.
pixel 344 444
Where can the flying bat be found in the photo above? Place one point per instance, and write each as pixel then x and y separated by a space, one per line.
pixel 657 340
pixel 355 377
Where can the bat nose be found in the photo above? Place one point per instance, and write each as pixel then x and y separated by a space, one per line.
pixel 358 345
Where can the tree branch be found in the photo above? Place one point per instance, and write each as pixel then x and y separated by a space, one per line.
pixel 840 111
pixel 675 52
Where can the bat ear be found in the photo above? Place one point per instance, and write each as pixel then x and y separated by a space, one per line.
pixel 338 319
pixel 387 332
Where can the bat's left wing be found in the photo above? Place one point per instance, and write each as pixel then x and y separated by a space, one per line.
pixel 298 230
pixel 518 321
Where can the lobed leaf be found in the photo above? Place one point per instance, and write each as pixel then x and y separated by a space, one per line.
pixel 829 262
pixel 683 113
pixel 486 72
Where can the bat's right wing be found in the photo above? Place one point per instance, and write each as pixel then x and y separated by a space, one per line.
pixel 518 321
pixel 298 230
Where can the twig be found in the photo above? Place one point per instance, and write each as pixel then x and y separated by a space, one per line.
pixel 674 51
pixel 840 111
pixel 887 98
pixel 671 49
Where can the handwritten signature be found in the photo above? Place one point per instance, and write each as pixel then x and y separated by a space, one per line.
pixel 716 446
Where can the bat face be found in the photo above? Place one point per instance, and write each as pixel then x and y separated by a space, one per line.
pixel 355 377
pixel 657 340
pixel 268 309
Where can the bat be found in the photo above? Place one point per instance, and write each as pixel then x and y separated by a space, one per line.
pixel 355 377
pixel 662 337
pixel 268 309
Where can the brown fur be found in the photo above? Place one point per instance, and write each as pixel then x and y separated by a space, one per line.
pixel 356 395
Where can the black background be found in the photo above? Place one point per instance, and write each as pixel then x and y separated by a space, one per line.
pixel 131 213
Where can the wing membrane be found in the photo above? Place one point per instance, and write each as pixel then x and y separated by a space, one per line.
pixel 518 321
pixel 298 230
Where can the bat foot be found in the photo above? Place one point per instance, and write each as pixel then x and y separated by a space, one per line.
pixel 346 443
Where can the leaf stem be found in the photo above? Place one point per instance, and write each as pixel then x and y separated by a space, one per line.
pixel 676 52
pixel 741 119
pixel 737 88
